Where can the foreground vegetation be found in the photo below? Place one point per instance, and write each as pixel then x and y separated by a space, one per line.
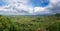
pixel 30 23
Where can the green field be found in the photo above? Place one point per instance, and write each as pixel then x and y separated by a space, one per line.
pixel 30 23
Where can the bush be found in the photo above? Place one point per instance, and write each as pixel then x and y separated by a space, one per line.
pixel 54 27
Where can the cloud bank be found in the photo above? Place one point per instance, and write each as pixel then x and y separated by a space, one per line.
pixel 25 7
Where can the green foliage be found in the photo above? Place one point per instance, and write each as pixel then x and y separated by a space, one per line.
pixel 54 27
pixel 7 25
pixel 4 23
pixel 25 23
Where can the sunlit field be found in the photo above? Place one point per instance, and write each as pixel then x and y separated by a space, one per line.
pixel 30 23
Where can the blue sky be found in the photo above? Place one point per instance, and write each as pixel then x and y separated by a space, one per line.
pixel 40 3
pixel 3 2
pixel 29 7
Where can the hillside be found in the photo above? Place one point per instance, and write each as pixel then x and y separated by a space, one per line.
pixel 29 23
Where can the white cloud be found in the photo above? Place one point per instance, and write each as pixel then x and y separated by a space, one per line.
pixel 39 9
pixel 23 7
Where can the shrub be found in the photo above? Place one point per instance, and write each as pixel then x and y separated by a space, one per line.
pixel 54 27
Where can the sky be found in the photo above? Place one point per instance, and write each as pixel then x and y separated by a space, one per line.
pixel 29 7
